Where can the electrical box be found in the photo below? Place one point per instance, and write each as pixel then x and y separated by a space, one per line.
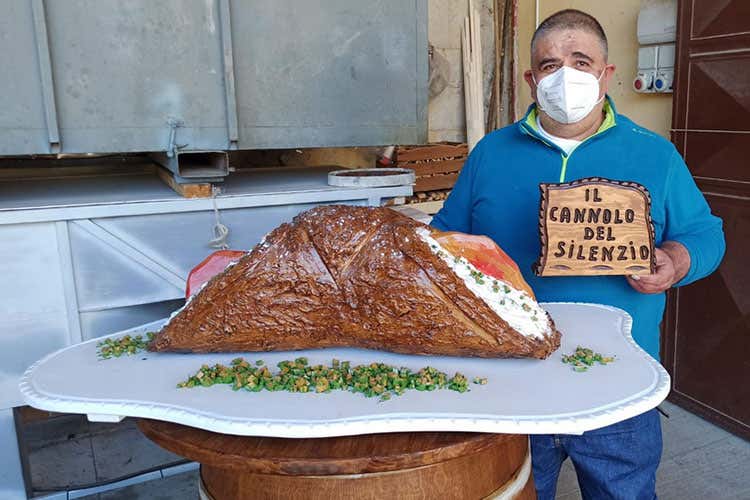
pixel 664 68
pixel 644 79
pixel 657 32
pixel 657 22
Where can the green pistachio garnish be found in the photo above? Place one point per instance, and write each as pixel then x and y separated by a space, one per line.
pixel 373 380
pixel 583 358
pixel 127 345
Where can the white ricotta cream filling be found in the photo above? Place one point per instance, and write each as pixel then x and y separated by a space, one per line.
pixel 516 307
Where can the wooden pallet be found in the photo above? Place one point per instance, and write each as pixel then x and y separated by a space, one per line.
pixel 436 165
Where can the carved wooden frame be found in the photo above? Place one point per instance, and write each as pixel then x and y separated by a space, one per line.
pixel 538 266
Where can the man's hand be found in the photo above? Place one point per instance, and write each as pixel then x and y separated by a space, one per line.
pixel 672 264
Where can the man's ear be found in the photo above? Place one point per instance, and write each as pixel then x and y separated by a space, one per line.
pixel 609 72
pixel 528 75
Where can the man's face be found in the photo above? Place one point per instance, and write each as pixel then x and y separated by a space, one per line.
pixel 577 49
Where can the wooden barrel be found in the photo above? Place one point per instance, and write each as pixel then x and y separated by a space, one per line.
pixel 420 465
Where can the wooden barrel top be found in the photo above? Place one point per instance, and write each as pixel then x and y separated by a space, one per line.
pixel 319 456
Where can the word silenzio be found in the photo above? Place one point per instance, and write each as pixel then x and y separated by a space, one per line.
pixel 593 227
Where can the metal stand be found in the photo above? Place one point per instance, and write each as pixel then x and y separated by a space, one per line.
pixel 12 486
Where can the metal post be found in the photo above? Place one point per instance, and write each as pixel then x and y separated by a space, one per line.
pixel 228 61
pixel 45 73
pixel 12 485
pixel 71 297
pixel 422 70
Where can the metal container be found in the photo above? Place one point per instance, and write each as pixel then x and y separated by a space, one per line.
pixel 107 76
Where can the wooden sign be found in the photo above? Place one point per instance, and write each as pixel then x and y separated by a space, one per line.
pixel 595 227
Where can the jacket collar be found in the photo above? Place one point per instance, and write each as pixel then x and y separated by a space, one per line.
pixel 528 122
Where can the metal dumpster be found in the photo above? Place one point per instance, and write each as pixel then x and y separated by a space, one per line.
pixel 104 76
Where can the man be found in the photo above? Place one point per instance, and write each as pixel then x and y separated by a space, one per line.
pixel 573 132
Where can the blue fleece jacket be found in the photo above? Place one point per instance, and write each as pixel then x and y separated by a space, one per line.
pixel 497 195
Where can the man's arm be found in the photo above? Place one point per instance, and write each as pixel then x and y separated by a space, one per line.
pixel 693 243
pixel 456 212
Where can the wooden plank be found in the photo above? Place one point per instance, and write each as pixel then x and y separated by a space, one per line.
pixel 496 105
pixel 428 207
pixel 471 49
pixel 491 110
pixel 35 171
pixel 435 152
pixel 435 182
pixel 202 190
pixel 415 212
pixel 435 167
pixel 507 65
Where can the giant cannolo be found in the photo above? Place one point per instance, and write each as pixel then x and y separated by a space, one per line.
pixel 370 278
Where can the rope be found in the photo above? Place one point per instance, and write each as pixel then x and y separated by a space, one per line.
pixel 220 231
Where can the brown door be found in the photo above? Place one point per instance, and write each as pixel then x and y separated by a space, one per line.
pixel 706 346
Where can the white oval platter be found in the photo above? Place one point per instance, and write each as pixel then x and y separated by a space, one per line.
pixel 522 396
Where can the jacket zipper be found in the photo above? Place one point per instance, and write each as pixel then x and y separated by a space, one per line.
pixel 565 158
pixel 553 146
pixel 564 168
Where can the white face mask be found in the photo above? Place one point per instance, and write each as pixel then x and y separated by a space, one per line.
pixel 568 95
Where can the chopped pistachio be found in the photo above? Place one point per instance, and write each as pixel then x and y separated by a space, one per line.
pixel 116 347
pixel 583 358
pixel 371 380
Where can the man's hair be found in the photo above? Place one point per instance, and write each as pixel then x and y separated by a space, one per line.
pixel 571 19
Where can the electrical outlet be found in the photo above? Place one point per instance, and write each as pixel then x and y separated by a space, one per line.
pixel 644 82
